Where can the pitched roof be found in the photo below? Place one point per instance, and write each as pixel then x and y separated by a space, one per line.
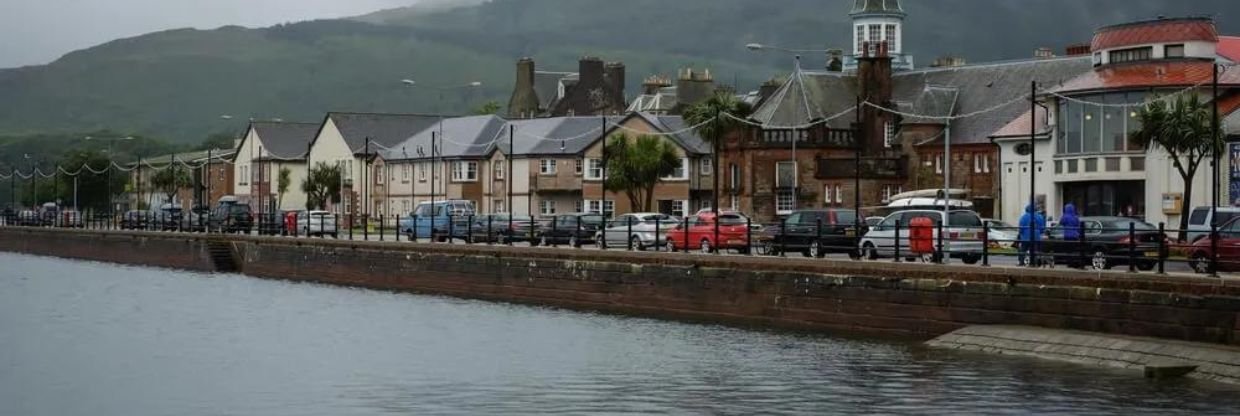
pixel 1167 73
pixel 877 6
pixel 283 140
pixel 545 136
pixel 987 87
pixel 807 96
pixel 457 137
pixel 684 137
pixel 194 157
pixel 387 130
pixel 1229 47
pixel 1020 126
pixel 547 86
pixel 934 101
pixel 1154 31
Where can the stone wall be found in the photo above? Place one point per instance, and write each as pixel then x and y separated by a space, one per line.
pixel 914 300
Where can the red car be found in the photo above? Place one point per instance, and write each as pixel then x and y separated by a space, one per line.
pixel 1228 250
pixel 700 233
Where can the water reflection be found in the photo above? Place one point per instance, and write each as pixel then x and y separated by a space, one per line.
pixel 82 338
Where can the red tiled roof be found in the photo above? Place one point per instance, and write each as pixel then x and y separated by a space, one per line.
pixel 1156 31
pixel 1149 74
pixel 1228 104
pixel 1020 126
pixel 1229 47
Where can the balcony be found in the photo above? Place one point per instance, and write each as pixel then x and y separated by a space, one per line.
pixel 871 168
pixel 557 182
pixel 812 138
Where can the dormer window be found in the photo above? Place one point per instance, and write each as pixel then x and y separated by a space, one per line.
pixel 1174 51
pixel 1133 54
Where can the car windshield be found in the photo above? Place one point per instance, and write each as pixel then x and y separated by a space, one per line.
pixel 1121 225
pixel 239 208
pixel 732 219
pixel 661 219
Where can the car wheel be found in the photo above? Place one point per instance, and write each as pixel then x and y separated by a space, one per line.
pixel 637 243
pixel 1146 266
pixel 542 240
pixel 1199 262
pixel 705 246
pixel 598 242
pixel 572 242
pixel 815 250
pixel 971 259
pixel 869 251
pixel 1099 261
pixel 768 248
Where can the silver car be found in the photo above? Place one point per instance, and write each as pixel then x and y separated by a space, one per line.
pixel 961 239
pixel 643 230
pixel 317 223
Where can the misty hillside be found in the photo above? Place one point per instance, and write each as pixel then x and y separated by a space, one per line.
pixel 178 83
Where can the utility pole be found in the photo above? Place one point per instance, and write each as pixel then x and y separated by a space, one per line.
pixel 602 205
pixel 1033 177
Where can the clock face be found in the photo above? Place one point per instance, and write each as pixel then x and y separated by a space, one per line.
pixel 1024 149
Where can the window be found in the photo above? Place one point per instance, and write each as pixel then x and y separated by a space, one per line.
pixel 786 175
pixel 1173 51
pixel 421 172
pixel 1112 164
pixel 595 169
pixel 348 170
pixel 678 208
pixel 579 206
pixel 609 208
pixel 784 202
pixel 860 37
pixel 1133 54
pixel 832 194
pixel 499 169
pixel 890 37
pixel 404 172
pixel 578 166
pixel 889 134
pixel 245 175
pixel 890 191
pixel 1136 164
pixel 546 167
pixel 681 172
pixel 938 163
pixel 498 204
pixel 736 203
pixel 464 171
pixel 404 206
pixel 1097 58
pixel 593 206
pixel 546 207
pixel 981 163
pixel 876 34
pixel 706 165
pixel 1091 165
pixel 379 175
pixel 735 177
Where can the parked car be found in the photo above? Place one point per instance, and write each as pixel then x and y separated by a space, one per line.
pixel 572 229
pixel 1200 218
pixel 439 221
pixel 49 214
pixel 270 223
pixel 316 223
pixel 168 218
pixel 961 236
pixel 8 216
pixel 135 220
pixel 814 233
pixel 641 230
pixel 231 216
pixel 502 228
pixel 1105 243
pixel 69 218
pixel 698 233
pixel 1228 243
pixel 196 219
pixel 1000 234
pixel 29 218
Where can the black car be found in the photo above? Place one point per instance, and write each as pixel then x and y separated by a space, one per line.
pixel 1105 243
pixel 814 233
pixel 502 228
pixel 9 215
pixel 572 229
pixel 231 217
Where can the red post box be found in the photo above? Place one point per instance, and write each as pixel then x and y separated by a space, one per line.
pixel 921 235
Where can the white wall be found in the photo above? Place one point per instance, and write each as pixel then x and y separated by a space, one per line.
pixel 243 165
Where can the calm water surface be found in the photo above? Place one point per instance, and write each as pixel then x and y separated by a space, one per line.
pixel 82 338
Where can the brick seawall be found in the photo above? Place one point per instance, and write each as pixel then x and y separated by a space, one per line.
pixel 914 300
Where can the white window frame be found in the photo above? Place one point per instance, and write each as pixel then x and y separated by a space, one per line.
pixel 405 172
pixel 579 166
pixel 381 175
pixel 859 34
pixel 499 169
pixel 422 172
pixel 795 178
pixel 736 203
pixel 938 163
pixel 784 201
pixel 245 175
pixel 465 171
pixel 546 207
pixel 546 167
pixel 579 206
pixel 889 134
pixel 681 173
pixel 734 175
pixel 706 166
pixel 498 205
pixel 594 169
pixel 890 35
pixel 679 205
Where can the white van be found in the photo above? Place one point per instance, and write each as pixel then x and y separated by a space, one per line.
pixel 1199 221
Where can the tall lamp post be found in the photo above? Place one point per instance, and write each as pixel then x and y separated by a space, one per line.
pixel 435 153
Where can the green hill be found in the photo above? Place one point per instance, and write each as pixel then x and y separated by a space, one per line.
pixel 176 84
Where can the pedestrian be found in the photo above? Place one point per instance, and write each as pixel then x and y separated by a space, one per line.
pixel 1032 225
pixel 1070 223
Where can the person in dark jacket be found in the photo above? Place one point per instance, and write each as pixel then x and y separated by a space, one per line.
pixel 1032 225
pixel 1070 222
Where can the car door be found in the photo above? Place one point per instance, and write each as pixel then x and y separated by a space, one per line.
pixel 788 237
pixel 1229 246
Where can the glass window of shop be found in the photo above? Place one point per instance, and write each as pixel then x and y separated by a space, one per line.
pixel 1090 129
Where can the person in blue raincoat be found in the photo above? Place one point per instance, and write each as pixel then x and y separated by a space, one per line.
pixel 1032 224
pixel 1071 223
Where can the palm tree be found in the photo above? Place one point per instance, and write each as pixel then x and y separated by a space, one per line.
pixel 1184 130
pixel 283 181
pixel 635 167
pixel 322 184
pixel 713 132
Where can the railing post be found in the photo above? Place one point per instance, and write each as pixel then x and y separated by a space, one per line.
pixel 350 227
pixel 818 237
pixel 629 241
pixel 748 236
pixel 1084 247
pixel 577 232
pixel 1162 248
pixel 555 225
pixel 490 237
pixel 940 256
pixel 783 244
pixel 469 229
pixel 451 231
pixel 686 223
pixel 414 230
pixel 366 227
pixel 897 243
pixel 666 240
pixel 1132 247
pixel 985 244
pixel 1213 249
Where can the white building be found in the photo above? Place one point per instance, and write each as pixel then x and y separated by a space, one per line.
pixel 1085 153
pixel 268 148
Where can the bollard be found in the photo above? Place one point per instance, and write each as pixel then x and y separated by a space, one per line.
pixel 666 240
pixel 1162 248
pixel 366 227
pixel 1132 247
pixel 897 244
pixel 1084 247
pixel 1213 249
pixel 985 244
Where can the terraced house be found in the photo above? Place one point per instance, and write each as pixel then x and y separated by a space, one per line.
pixel 267 148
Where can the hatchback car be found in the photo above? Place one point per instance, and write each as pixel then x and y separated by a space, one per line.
pixel 698 233
pixel 572 229
pixel 638 230
pixel 961 237
pixel 816 232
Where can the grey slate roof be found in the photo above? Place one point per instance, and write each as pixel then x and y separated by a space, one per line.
pixel 962 90
pixel 387 130
pixel 459 137
pixel 547 86
pixel 544 136
pixel 194 157
pixel 285 140
pixel 876 7
pixel 689 140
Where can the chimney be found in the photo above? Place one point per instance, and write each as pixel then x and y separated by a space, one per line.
pixel 614 74
pixel 1043 53
pixel 524 101
pixel 591 71
pixel 1077 49
pixel 874 80
pixel 694 87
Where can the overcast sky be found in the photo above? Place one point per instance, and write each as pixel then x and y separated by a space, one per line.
pixel 39 31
